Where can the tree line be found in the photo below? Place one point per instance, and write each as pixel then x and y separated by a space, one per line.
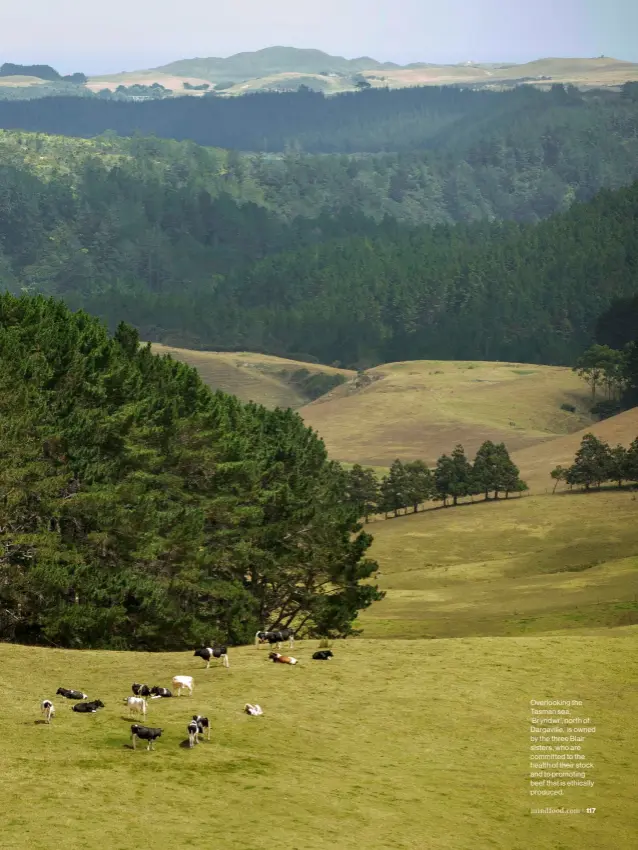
pixel 140 510
pixel 596 463
pixel 612 375
pixel 411 484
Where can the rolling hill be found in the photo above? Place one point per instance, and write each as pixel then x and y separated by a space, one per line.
pixel 281 68
pixel 260 378
pixel 536 462
pixel 420 409
pixel 415 409
pixel 534 565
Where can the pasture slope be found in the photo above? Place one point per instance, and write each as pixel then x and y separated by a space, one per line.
pixel 392 745
pixel 261 378
pixel 422 408
pixel 537 462
pixel 526 566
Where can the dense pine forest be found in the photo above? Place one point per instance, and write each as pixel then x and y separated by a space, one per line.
pixel 140 510
pixel 289 255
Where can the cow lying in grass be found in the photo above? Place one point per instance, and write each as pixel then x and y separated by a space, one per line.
pixel 145 733
pixel 254 710
pixel 71 694
pixel 323 655
pixel 282 659
pixel 88 707
pixel 276 636
pixel 157 692
pixel 140 690
pixel 48 710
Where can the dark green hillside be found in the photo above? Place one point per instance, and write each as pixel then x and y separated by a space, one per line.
pixel 501 291
pixel 139 510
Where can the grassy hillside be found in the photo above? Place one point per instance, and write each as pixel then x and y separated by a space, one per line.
pixel 289 67
pixel 261 378
pixel 395 745
pixel 536 462
pixel 420 409
pixel 532 565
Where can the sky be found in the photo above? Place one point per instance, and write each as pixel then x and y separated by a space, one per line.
pixel 83 35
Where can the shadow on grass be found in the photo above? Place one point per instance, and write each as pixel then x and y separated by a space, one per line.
pixel 41 723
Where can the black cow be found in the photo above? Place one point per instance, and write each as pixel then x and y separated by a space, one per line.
pixel 323 655
pixel 88 707
pixel 208 652
pixel 71 694
pixel 276 636
pixel 157 692
pixel 145 733
pixel 141 690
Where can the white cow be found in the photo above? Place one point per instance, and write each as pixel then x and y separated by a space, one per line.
pixel 183 683
pixel 136 705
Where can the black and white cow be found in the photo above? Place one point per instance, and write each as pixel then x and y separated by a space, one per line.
pixel 71 694
pixel 208 652
pixel 276 636
pixel 141 690
pixel 145 733
pixel 88 707
pixel 203 725
pixel 157 692
pixel 323 655
pixel 48 710
pixel 192 733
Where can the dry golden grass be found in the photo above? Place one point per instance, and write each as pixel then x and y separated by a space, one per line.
pixel 536 462
pixel 536 564
pixel 261 378
pixel 21 80
pixel 421 409
pixel 144 78
pixel 396 745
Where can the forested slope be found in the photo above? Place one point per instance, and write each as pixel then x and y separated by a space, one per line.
pixel 315 255
pixel 140 510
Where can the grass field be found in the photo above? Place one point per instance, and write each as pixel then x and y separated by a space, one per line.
pixel 251 377
pixel 400 744
pixel 534 565
pixel 422 408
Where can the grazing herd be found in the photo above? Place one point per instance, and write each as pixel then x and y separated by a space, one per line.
pixel 199 726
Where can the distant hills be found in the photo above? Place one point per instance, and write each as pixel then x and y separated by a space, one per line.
pixel 286 68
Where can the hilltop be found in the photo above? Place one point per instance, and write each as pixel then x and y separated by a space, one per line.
pixel 286 68
pixel 262 378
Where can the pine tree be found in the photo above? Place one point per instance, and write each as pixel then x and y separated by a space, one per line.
pixel 508 478
pixel 420 483
pixel 591 464
pixel 485 470
pixel 363 489
pixel 395 489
